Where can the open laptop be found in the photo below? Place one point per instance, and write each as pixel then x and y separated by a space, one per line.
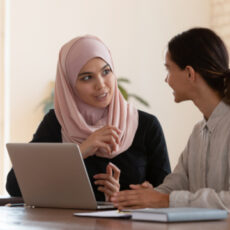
pixel 53 175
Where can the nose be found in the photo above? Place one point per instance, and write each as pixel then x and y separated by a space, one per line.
pixel 99 83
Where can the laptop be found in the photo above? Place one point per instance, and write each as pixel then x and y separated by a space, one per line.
pixel 53 175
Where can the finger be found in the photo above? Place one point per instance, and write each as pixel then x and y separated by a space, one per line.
pixel 116 136
pixel 128 203
pixel 107 180
pixel 135 186
pixel 116 171
pixel 107 198
pixel 117 130
pixel 146 184
pixel 111 186
pixel 104 146
pixel 103 176
pixel 105 190
pixel 109 170
pixel 110 141
pixel 111 132
pixel 124 195
pixel 106 142
pixel 108 129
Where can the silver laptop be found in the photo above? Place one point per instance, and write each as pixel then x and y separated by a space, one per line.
pixel 53 175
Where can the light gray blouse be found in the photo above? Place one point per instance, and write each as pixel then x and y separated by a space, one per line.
pixel 202 175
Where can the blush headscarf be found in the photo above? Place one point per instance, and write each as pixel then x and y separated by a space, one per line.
pixel 78 120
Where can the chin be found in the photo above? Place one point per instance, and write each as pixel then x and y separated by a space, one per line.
pixel 102 105
pixel 177 99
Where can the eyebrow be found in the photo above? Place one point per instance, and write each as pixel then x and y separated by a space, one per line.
pixel 84 73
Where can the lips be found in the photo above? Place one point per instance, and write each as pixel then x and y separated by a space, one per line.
pixel 102 95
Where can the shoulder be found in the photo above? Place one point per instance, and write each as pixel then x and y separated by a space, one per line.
pixel 225 120
pixel 195 134
pixel 49 130
pixel 147 119
pixel 149 127
pixel 198 126
pixel 149 138
pixel 50 120
pixel 51 117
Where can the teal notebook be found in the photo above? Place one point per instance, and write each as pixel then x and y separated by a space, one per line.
pixel 177 214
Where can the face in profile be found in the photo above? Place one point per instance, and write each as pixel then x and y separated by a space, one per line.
pixel 177 79
pixel 95 83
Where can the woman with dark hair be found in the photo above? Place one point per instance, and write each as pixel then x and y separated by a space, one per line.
pixel 119 144
pixel 198 70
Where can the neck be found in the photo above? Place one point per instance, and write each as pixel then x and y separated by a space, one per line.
pixel 206 101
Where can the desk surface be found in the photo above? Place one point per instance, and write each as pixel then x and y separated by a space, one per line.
pixel 42 218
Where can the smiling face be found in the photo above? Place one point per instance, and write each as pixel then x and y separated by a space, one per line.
pixel 95 83
pixel 178 79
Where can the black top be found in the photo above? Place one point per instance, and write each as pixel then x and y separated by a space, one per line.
pixel 146 159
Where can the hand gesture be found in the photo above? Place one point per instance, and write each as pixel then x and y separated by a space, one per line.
pixel 145 184
pixel 106 138
pixel 108 182
pixel 140 198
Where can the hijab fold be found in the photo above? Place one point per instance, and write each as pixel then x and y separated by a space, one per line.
pixel 79 120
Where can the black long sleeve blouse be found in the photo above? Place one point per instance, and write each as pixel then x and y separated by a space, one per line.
pixel 146 159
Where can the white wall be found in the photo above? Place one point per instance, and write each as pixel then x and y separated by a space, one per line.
pixel 220 19
pixel 1 91
pixel 136 31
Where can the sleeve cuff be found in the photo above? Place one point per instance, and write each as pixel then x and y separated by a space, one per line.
pixel 179 199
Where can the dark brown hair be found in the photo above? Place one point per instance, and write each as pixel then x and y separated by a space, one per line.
pixel 204 50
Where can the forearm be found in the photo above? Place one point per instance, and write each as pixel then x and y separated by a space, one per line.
pixel 204 198
pixel 174 182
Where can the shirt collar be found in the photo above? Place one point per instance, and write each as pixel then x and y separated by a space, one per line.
pixel 220 111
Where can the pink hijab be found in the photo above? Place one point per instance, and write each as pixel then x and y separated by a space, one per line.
pixel 78 120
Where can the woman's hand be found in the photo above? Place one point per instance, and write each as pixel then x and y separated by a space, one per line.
pixel 108 182
pixel 140 198
pixel 145 184
pixel 106 138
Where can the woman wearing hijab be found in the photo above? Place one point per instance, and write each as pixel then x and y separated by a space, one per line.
pixel 197 65
pixel 120 145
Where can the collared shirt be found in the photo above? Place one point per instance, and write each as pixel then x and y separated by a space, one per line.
pixel 202 175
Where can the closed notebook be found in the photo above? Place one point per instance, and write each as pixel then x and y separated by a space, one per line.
pixel 177 214
pixel 104 214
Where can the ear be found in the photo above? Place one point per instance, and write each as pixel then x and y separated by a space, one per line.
pixel 191 73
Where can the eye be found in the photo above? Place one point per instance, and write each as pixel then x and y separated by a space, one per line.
pixel 86 78
pixel 166 69
pixel 106 71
